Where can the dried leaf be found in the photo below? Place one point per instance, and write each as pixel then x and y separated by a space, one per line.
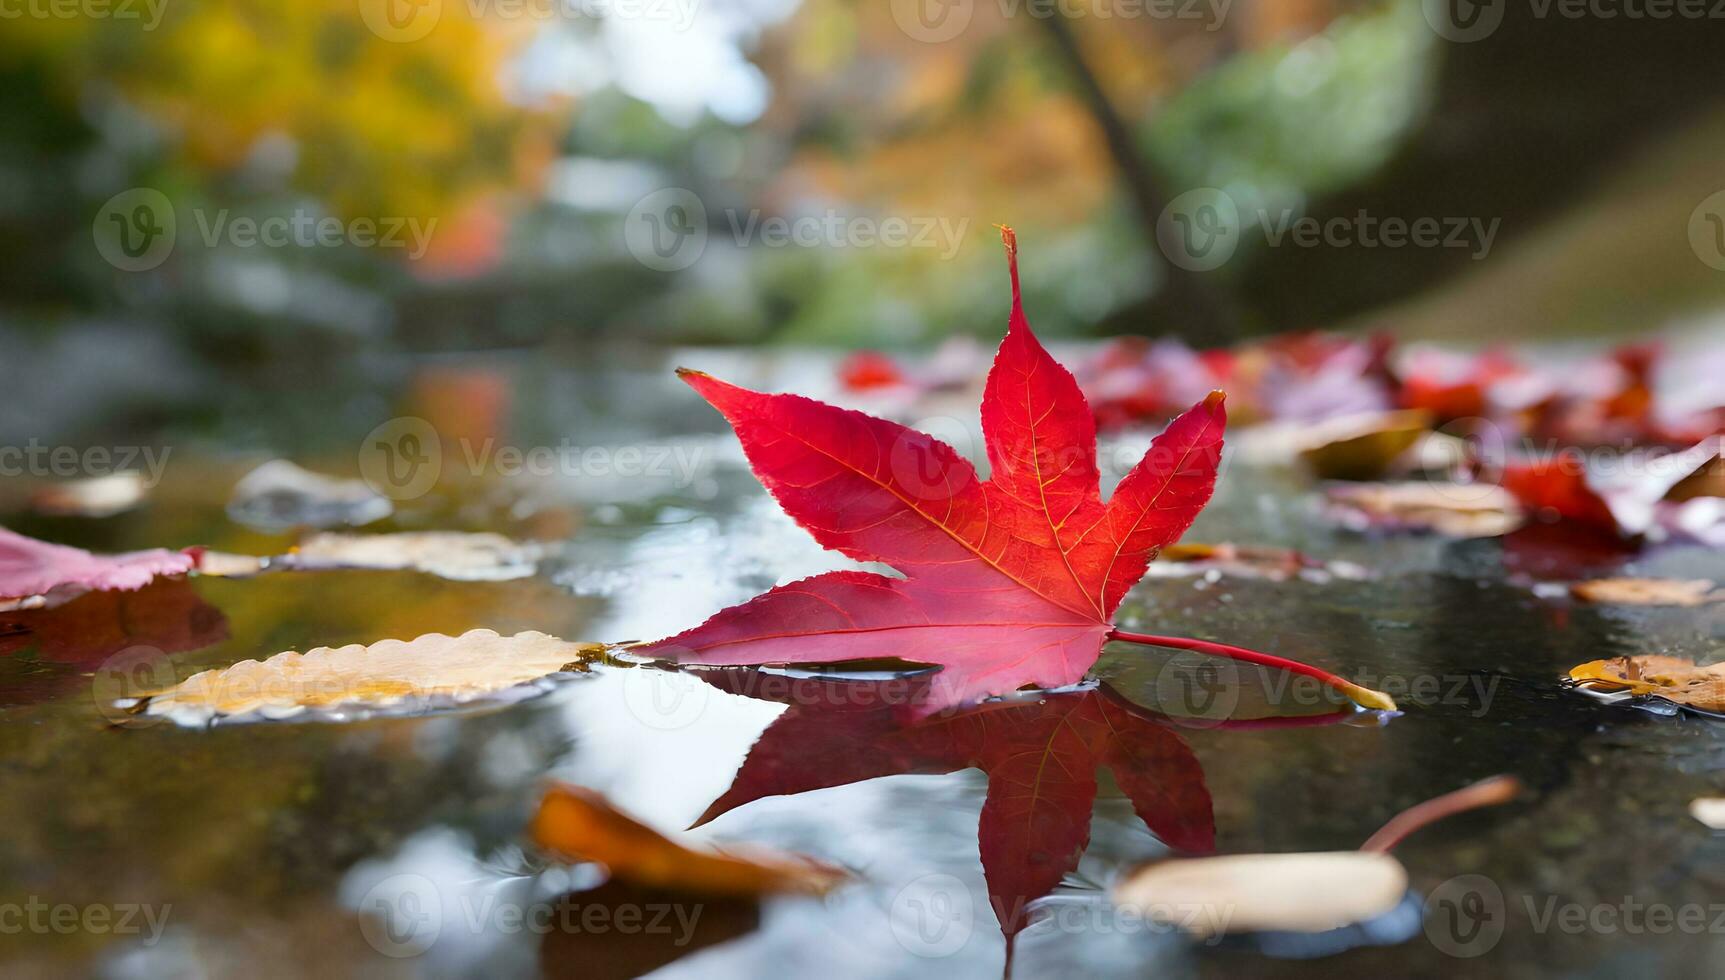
pixel 35 573
pixel 279 495
pixel 1247 561
pixel 1710 810
pixel 455 555
pixel 1460 510
pixel 428 671
pixel 578 824
pixel 1361 447
pixel 100 496
pixel 1647 591
pixel 1241 893
pixel 1672 678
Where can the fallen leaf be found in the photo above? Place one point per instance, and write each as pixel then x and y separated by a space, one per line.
pixel 1041 757
pixel 577 824
pixel 1237 893
pixel 1247 561
pixel 867 369
pixel 100 496
pixel 36 573
pixel 1646 591
pixel 280 495
pixel 1309 894
pixel 1007 582
pixel 456 555
pixel 427 671
pixel 1710 810
pixel 1361 447
pixel 1672 678
pixel 1457 510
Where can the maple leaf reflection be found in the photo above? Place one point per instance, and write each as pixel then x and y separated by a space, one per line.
pixel 1041 758
pixel 44 650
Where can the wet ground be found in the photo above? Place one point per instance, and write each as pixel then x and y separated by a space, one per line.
pixel 393 846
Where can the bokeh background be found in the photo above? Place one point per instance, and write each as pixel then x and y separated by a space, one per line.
pixel 827 173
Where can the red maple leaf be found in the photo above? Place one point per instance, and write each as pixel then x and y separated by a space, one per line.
pixel 1009 581
pixel 1040 756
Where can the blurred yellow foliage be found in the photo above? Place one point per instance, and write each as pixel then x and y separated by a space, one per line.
pixel 369 119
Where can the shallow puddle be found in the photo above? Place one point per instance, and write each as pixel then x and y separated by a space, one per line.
pixel 395 845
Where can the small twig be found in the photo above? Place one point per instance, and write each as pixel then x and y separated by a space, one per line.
pixel 1486 792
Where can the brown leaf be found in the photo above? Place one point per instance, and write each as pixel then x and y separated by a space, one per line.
pixel 577 824
pixel 1240 893
pixel 426 671
pixel 456 555
pixel 1710 810
pixel 1362 447
pixel 98 496
pixel 1461 510
pixel 1646 591
pixel 1672 678
pixel 1248 561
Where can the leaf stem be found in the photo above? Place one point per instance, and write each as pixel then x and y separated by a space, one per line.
pixel 1486 792
pixel 1363 696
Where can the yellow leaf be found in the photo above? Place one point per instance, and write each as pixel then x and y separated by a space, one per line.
pixel 424 672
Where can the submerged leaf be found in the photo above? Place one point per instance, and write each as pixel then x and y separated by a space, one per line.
pixel 97 496
pixel 279 495
pixel 1646 591
pixel 1239 893
pixel 456 555
pixel 1458 510
pixel 1710 810
pixel 1361 447
pixel 35 573
pixel 578 824
pixel 424 672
